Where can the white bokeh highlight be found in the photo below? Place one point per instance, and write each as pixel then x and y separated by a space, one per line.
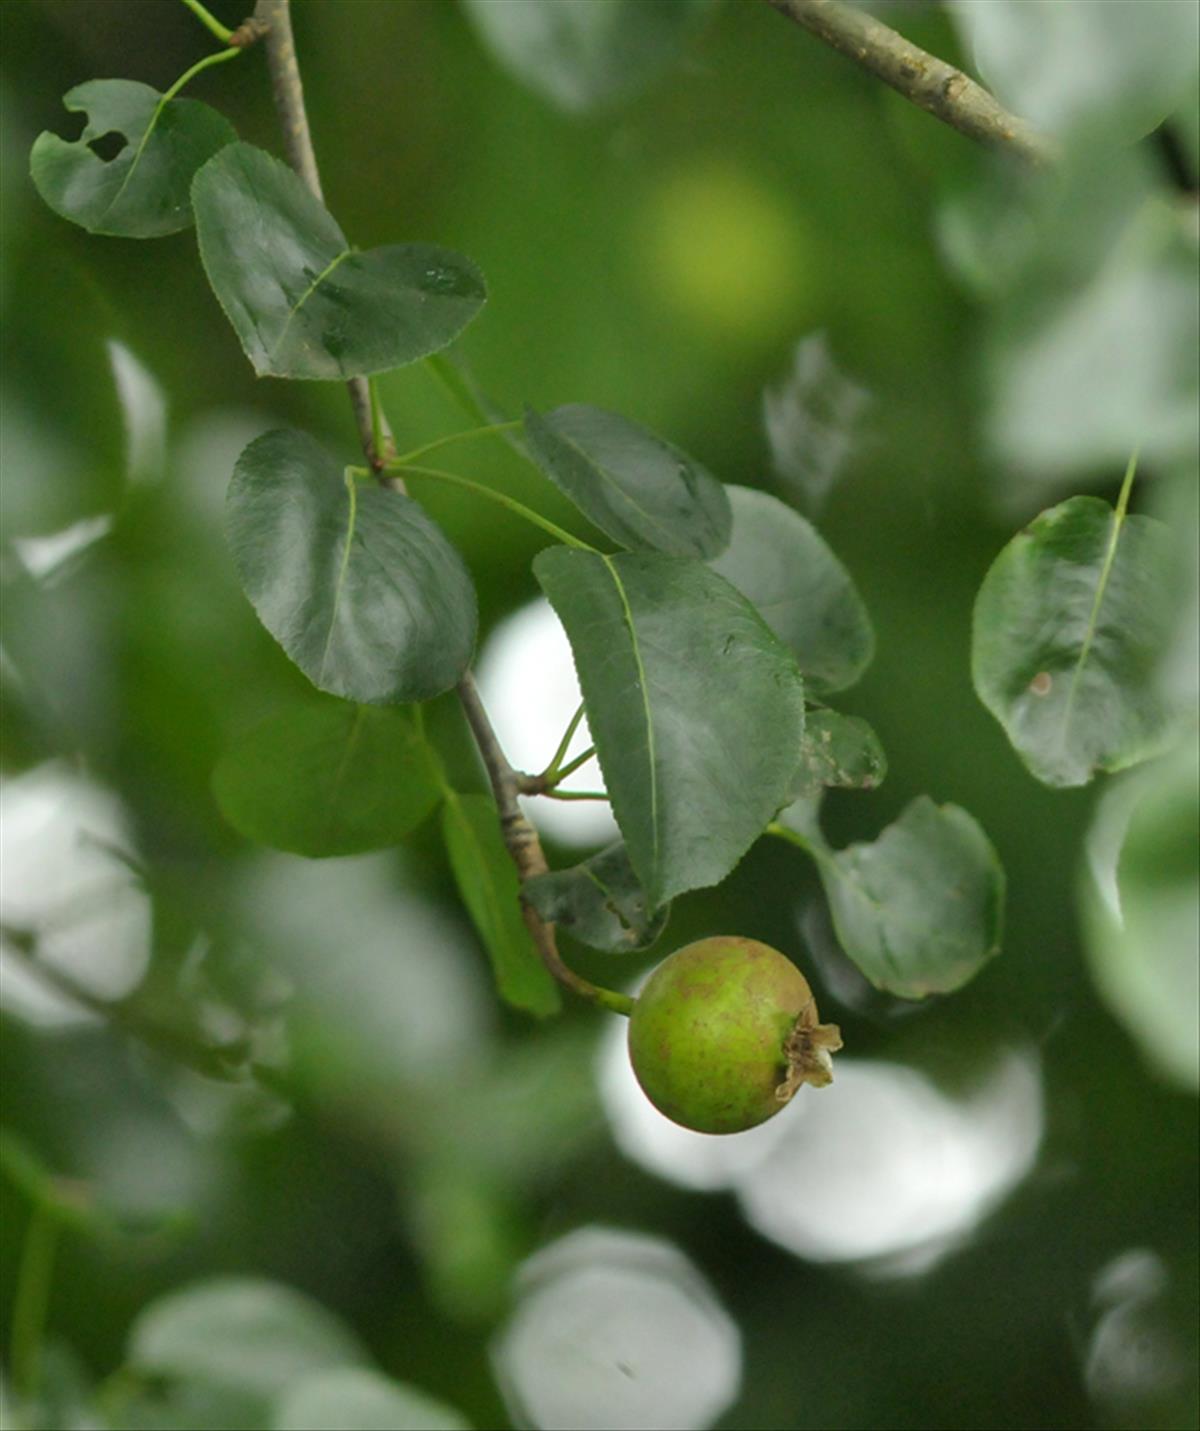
pixel 881 1170
pixel 616 1330
pixel 65 878
pixel 526 676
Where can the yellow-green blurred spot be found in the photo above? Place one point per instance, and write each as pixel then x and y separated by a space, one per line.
pixel 718 247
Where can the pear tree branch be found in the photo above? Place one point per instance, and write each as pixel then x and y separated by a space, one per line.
pixel 520 837
pixel 934 85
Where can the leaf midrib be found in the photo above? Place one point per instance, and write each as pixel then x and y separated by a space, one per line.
pixel 1110 555
pixel 644 693
pixel 341 576
pixel 305 296
pixel 612 482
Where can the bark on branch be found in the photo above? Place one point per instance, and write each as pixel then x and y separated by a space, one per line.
pixel 946 93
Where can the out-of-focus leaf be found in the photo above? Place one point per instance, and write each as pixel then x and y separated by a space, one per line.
pixel 1107 70
pixel 333 779
pixel 600 902
pixel 1140 899
pixel 780 562
pixel 838 751
pixel 696 709
pixel 1071 625
pixel 242 1333
pixel 919 909
pixel 813 419
pixel 639 490
pixel 355 1399
pixel 144 191
pixel 1088 362
pixel 359 586
pixel 303 303
pixel 487 880
pixel 583 53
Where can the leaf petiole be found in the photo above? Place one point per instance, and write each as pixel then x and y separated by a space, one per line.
pixel 466 435
pixel 210 22
pixel 218 57
pixel 521 510
pixel 572 766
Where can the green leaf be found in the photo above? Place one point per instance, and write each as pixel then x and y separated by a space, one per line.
pixel 243 1333
pixel 144 191
pixel 600 902
pixel 697 711
pixel 920 909
pixel 639 490
pixel 302 302
pixel 487 880
pixel 1141 909
pixel 332 779
pixel 779 561
pixel 358 585
pixel 838 751
pixel 1071 624
pixel 355 1399
pixel 583 53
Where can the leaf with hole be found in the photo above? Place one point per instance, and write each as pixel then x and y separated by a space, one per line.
pixel 696 709
pixel 303 303
pixel 144 190
pixel 580 54
pixel 780 562
pixel 329 779
pixel 1071 624
pixel 487 880
pixel 839 752
pixel 638 489
pixel 358 585
pixel 920 909
pixel 600 902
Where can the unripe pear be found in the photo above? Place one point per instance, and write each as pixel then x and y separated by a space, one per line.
pixel 724 1033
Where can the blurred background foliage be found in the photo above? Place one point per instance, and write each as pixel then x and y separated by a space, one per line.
pixel 280 1080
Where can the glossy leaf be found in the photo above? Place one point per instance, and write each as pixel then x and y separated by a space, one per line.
pixel 243 1333
pixel 358 585
pixel 1141 908
pixel 332 779
pixel 838 751
pixel 303 303
pixel 355 1399
pixel 144 191
pixel 920 909
pixel 583 53
pixel 600 902
pixel 781 563
pixel 696 710
pixel 639 490
pixel 1071 624
pixel 487 881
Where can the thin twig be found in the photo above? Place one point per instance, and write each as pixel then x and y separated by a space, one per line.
pixel 520 837
pixel 288 90
pixel 523 844
pixel 946 93
pixel 224 1062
